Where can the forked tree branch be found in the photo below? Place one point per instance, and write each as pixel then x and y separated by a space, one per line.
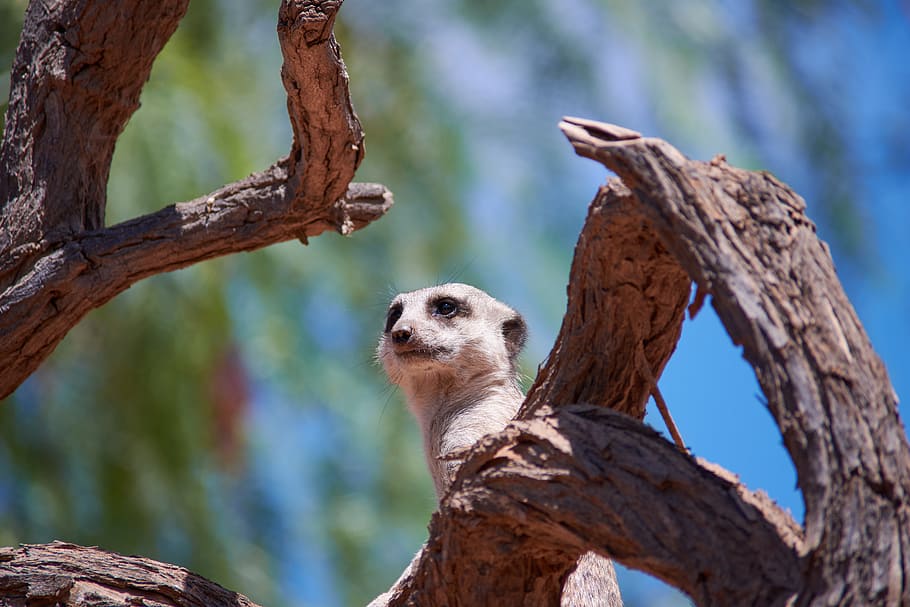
pixel 581 478
pixel 58 261
pixel 572 479
pixel 745 238
pixel 566 478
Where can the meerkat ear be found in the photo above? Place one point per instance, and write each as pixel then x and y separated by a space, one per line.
pixel 515 332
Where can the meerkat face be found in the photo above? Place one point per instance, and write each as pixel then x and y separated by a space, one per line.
pixel 450 330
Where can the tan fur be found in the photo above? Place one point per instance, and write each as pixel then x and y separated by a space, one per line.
pixel 459 378
pixel 457 373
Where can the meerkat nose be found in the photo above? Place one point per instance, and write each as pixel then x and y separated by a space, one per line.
pixel 402 335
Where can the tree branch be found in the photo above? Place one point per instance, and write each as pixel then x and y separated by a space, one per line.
pixel 65 574
pixel 626 303
pixel 581 478
pixel 89 270
pixel 328 139
pixel 571 479
pixel 50 278
pixel 745 239
pixel 75 82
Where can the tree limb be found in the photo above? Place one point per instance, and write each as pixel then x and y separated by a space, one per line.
pixel 56 267
pixel 75 82
pixel 581 478
pixel 745 239
pixel 74 576
pixel 567 478
pixel 571 479
pixel 93 267
pixel 626 303
pixel 575 478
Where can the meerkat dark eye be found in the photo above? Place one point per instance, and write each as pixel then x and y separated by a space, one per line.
pixel 445 307
pixel 392 318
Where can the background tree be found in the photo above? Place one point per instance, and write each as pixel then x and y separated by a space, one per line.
pixel 431 89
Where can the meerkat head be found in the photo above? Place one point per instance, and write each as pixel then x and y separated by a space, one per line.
pixel 448 333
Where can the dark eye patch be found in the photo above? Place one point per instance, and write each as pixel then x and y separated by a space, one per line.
pixel 393 316
pixel 445 307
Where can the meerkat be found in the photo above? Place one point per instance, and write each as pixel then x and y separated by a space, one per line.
pixel 453 350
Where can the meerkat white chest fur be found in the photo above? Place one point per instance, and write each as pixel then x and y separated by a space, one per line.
pixel 452 350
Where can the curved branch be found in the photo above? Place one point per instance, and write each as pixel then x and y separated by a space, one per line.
pixel 745 239
pixel 89 270
pixel 585 478
pixel 65 574
pixel 50 278
pixel 328 139
pixel 580 478
pixel 626 303
pixel 598 479
pixel 79 70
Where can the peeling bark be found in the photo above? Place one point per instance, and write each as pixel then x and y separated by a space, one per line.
pixel 626 303
pixel 745 238
pixel 76 80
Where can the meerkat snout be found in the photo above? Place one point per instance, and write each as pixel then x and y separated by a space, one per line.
pixel 452 349
pixel 401 336
pixel 451 329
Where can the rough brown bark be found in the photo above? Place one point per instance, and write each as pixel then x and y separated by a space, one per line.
pixel 76 81
pixel 581 478
pixel 626 302
pixel 745 238
pixel 62 574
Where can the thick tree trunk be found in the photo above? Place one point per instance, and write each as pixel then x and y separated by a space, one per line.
pixel 76 81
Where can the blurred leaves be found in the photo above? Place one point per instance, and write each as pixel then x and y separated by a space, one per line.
pixel 229 417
